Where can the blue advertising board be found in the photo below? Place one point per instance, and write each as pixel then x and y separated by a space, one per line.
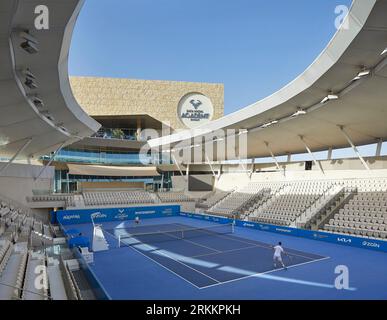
pixel 69 217
pixel 359 242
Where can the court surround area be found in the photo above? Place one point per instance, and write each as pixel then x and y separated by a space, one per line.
pixel 184 258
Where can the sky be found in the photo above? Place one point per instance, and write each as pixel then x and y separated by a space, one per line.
pixel 253 47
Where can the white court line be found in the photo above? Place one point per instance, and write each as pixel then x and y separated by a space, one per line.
pixel 261 273
pixel 262 246
pixel 166 233
pixel 195 243
pixel 225 251
pixel 254 243
pixel 217 281
pixel 167 267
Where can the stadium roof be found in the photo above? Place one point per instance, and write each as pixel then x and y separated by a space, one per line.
pixel 38 110
pixel 345 87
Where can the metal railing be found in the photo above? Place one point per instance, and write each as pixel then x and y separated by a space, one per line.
pixel 21 290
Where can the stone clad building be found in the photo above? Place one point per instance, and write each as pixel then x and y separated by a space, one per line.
pixel 109 97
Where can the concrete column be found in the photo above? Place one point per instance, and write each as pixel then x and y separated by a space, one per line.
pixel 139 128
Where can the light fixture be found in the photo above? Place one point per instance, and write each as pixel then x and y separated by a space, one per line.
pixel 299 112
pixel 47 115
pixel 384 52
pixel 38 103
pixel 269 124
pixel 30 44
pixel 30 79
pixel 243 131
pixel 329 97
pixel 362 74
pixel 62 127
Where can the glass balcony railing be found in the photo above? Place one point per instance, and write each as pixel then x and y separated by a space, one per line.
pixel 107 158
pixel 118 133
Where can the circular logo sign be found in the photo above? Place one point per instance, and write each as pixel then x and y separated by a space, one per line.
pixel 195 109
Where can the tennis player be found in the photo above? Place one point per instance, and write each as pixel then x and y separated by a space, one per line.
pixel 137 220
pixel 278 252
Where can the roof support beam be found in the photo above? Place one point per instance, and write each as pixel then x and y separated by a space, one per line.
pixel 5 167
pixel 178 166
pixel 345 134
pixel 311 154
pixel 272 155
pixel 50 161
pixel 289 159
pixel 330 151
pixel 252 168
pixel 379 148
pixel 187 170
pixel 244 167
pixel 217 176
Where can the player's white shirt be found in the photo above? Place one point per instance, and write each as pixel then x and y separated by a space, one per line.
pixel 278 250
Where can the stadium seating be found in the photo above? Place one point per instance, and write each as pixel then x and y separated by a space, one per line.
pixel 295 203
pixel 174 196
pixel 233 203
pixel 366 214
pixel 67 199
pixel 291 202
pixel 18 265
pixel 215 197
pixel 117 198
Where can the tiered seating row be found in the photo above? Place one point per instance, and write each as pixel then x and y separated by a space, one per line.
pixel 174 197
pixel 117 198
pixel 365 214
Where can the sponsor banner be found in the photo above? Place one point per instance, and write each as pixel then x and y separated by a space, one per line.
pixel 68 217
pixel 347 240
pixel 53 219
pixel 205 217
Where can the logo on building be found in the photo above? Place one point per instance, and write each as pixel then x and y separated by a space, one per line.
pixel 195 109
pixel 196 103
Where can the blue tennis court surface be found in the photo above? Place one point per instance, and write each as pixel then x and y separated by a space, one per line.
pixel 153 261
pixel 205 257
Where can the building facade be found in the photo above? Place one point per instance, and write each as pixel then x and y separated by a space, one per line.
pixel 126 108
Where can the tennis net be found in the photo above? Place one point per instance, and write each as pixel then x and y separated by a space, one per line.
pixel 173 235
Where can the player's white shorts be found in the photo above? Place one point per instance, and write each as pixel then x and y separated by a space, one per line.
pixel 277 258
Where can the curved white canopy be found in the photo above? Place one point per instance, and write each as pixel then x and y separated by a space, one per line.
pixel 37 120
pixel 351 71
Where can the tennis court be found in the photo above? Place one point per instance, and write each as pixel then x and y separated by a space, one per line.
pixel 184 258
pixel 206 256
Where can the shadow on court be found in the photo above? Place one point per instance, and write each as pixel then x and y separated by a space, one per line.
pixel 205 257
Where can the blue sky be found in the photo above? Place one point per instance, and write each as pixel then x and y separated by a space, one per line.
pixel 253 47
